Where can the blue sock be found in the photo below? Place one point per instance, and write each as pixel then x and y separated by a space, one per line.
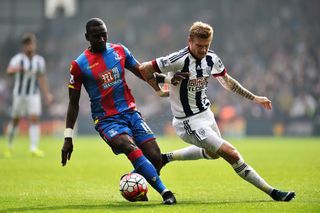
pixel 145 168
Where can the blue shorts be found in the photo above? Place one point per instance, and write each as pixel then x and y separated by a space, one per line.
pixel 129 122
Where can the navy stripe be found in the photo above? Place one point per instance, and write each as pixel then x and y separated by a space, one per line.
pixel 178 53
pixel 187 127
pixel 196 136
pixel 199 71
pixel 209 61
pixel 180 56
pixel 29 80
pixel 240 168
pixel 177 56
pixel 184 90
pixel 198 93
pixel 36 84
pixel 199 101
pixel 21 77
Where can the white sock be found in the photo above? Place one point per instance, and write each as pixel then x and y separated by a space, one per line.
pixel 249 174
pixel 188 153
pixel 34 134
pixel 12 130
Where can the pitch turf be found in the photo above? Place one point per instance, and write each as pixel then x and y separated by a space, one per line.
pixel 89 182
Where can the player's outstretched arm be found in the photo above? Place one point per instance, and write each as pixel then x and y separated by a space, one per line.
pixel 13 70
pixel 231 84
pixel 72 114
pixel 147 71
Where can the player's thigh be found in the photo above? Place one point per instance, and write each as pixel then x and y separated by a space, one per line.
pixel 19 107
pixel 204 137
pixel 116 133
pixel 140 130
pixel 34 108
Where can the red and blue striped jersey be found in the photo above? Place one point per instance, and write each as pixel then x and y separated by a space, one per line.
pixel 103 76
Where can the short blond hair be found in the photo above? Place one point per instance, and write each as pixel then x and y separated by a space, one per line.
pixel 200 30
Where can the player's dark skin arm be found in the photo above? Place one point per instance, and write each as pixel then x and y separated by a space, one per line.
pixel 72 114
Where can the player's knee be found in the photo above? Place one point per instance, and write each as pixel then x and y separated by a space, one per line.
pixel 123 144
pixel 229 153
pixel 210 155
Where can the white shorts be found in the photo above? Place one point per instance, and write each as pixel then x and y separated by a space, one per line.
pixel 200 129
pixel 26 105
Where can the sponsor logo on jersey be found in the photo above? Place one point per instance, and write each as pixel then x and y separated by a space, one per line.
pixel 197 84
pixel 109 78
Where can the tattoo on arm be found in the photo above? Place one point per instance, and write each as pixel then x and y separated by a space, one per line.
pixel 230 83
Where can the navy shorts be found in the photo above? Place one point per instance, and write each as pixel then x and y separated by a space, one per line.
pixel 129 122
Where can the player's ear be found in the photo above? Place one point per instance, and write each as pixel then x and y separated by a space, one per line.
pixel 87 37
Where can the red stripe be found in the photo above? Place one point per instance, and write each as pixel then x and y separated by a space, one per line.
pixel 220 74
pixel 135 154
pixel 127 92
pixel 155 66
pixel 98 66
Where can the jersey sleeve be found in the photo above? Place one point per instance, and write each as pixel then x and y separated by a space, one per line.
pixel 218 68
pixel 130 60
pixel 15 61
pixel 42 66
pixel 170 63
pixel 75 81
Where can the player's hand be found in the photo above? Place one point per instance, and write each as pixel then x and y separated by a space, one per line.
pixel 49 99
pixel 179 76
pixel 66 151
pixel 13 70
pixel 264 101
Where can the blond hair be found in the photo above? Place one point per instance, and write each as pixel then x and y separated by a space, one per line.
pixel 200 30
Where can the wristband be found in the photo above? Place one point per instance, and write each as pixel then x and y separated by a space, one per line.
pixel 68 133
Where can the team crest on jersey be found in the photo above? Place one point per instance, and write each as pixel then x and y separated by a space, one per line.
pixel 116 56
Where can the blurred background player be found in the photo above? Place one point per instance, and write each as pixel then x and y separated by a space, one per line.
pixel 28 69
pixel 101 69
pixel 193 120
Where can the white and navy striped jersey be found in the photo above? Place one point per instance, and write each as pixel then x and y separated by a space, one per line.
pixel 26 82
pixel 189 96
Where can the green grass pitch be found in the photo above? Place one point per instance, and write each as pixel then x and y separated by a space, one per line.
pixel 89 182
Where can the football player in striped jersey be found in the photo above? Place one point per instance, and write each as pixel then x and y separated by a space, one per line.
pixel 28 69
pixel 101 70
pixel 193 120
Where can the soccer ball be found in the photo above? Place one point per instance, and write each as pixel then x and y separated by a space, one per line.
pixel 133 187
